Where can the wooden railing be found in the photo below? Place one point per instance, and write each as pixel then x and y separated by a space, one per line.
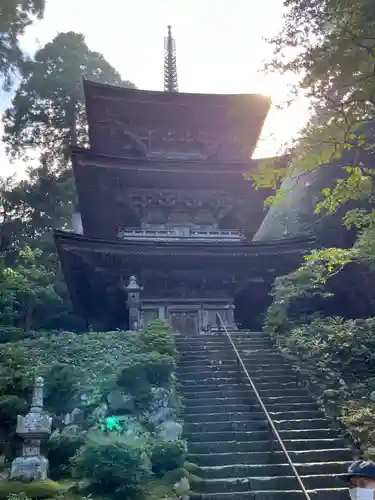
pixel 180 233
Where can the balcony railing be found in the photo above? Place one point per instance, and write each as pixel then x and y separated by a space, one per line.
pixel 180 234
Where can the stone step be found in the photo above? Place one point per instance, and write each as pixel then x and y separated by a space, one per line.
pixel 226 364
pixel 306 445
pixel 270 457
pixel 227 360
pixel 266 379
pixel 229 436
pixel 237 484
pixel 247 415
pixel 238 406
pixel 201 436
pixel 217 344
pixel 245 347
pixel 274 470
pixel 222 392
pixel 253 425
pixel 228 354
pixel 248 399
pixel 230 365
pixel 236 376
pixel 204 373
pixel 269 389
pixel 318 494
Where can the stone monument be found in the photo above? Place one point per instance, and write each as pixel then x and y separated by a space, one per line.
pixel 32 428
pixel 134 304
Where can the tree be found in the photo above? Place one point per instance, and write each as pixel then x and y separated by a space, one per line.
pixel 331 43
pixel 16 16
pixel 25 288
pixel 47 113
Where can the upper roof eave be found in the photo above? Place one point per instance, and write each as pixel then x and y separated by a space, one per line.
pixel 125 92
pixel 282 246
pixel 92 155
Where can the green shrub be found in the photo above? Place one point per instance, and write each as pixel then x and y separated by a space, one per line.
pixel 159 368
pixel 167 456
pixel 11 334
pixel 143 370
pixel 35 489
pixel 61 380
pixel 10 407
pixel 133 377
pixel 114 468
pixel 60 451
pixel 158 337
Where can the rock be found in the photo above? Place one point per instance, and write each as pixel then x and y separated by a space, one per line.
pixel 170 430
pixel 161 415
pixel 70 430
pixel 55 434
pixel 67 420
pixel 182 487
pixel 372 396
pixel 100 412
pixel 77 416
pixel 117 400
pixel 162 407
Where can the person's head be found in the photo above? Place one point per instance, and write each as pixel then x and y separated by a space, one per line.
pixel 361 480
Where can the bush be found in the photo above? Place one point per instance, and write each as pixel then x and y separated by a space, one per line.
pixel 115 468
pixel 10 407
pixel 158 337
pixel 167 456
pixel 143 370
pixel 337 358
pixel 60 451
pixel 11 334
pixel 61 380
pixel 35 489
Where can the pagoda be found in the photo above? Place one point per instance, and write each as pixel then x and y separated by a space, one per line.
pixel 163 202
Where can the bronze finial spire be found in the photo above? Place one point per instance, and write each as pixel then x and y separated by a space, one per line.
pixel 170 63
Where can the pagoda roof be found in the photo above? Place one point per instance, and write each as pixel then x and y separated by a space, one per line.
pixel 112 190
pixel 184 247
pixel 173 123
pixel 90 157
pixel 95 270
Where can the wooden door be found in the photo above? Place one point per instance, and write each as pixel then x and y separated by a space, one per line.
pixel 184 322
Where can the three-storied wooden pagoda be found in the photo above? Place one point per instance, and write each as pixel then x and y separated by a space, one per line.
pixel 162 196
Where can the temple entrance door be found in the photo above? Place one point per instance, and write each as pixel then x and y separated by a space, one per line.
pixel 184 321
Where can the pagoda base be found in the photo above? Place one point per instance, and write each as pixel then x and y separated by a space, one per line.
pixel 188 315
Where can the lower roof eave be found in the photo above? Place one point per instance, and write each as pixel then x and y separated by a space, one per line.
pixel 77 242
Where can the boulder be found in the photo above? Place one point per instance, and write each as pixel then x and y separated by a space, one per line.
pixel 161 415
pixel 70 430
pixel 170 430
pixel 182 487
pixel 162 407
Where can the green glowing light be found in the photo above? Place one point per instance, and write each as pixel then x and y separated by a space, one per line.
pixel 112 424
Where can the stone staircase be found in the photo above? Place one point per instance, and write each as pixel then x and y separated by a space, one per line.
pixel 229 437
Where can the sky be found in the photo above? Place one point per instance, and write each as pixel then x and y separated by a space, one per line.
pixel 220 49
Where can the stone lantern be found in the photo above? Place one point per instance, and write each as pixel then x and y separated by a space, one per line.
pixel 32 428
pixel 134 303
